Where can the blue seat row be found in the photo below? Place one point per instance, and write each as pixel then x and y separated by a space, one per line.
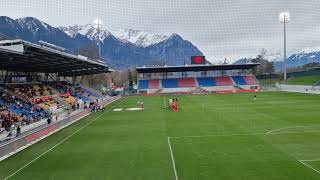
pixel 91 93
pixel 143 84
pixel 206 82
pixel 169 83
pixel 239 80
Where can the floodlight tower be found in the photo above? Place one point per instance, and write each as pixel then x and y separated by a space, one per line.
pixel 284 18
pixel 97 23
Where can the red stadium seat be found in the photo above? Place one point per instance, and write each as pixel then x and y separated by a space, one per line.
pixel 186 82
pixel 250 80
pixel 154 84
pixel 223 81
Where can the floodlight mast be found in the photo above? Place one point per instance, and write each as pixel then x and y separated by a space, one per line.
pixel 97 24
pixel 284 18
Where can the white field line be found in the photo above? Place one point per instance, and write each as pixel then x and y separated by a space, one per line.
pixel 303 162
pixel 59 143
pixel 310 160
pixel 288 127
pixel 172 160
pixel 241 134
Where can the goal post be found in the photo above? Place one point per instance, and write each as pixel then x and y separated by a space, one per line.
pixel 164 101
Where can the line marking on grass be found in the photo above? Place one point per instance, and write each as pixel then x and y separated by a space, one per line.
pixel 288 127
pixel 310 160
pixel 241 134
pixel 59 143
pixel 172 160
pixel 309 166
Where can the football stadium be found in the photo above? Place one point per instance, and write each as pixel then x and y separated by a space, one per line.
pixel 83 109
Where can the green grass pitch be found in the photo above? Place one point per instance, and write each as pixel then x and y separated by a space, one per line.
pixel 223 137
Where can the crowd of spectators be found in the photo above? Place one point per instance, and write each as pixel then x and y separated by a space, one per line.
pixel 29 91
pixel 93 106
pixel 8 121
pixel 62 87
pixel 16 113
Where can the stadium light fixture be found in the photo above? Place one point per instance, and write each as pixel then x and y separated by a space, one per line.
pixel 97 24
pixel 284 18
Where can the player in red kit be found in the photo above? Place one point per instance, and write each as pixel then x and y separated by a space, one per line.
pixel 174 106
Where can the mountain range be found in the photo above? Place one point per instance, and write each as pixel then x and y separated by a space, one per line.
pixel 126 48
pixel 298 59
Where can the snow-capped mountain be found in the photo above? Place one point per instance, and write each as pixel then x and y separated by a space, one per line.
pixel 86 30
pixel 139 38
pixel 33 24
pixel 270 55
pixel 305 56
pixel 308 50
pixel 121 49
pixel 273 56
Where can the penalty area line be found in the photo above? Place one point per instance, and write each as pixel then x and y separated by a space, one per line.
pixel 172 160
pixel 310 160
pixel 59 143
pixel 291 127
pixel 242 134
pixel 309 166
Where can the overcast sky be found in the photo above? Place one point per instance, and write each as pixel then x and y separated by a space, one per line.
pixel 219 28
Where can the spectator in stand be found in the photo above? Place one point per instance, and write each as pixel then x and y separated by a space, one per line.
pixel 18 131
pixel 24 113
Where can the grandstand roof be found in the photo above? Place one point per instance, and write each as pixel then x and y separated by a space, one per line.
pixel 155 69
pixel 23 56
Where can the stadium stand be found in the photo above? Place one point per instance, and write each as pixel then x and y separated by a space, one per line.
pixel 25 112
pixel 170 83
pixel 206 82
pixel 30 96
pixel 29 91
pixel 239 80
pixel 198 82
pixel 154 84
pixel 197 78
pixel 186 82
pixel 143 84
pixel 223 81
pixel 149 84
pixel 38 101
pixel 250 80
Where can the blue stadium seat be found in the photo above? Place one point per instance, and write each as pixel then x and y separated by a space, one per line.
pixel 239 80
pixel 91 93
pixel 143 84
pixel 206 82
pixel 169 83
pixel 84 98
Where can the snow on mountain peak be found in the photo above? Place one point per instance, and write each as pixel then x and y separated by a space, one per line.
pixel 273 56
pixel 137 37
pixel 33 24
pixel 310 50
pixel 140 38
pixel 86 30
